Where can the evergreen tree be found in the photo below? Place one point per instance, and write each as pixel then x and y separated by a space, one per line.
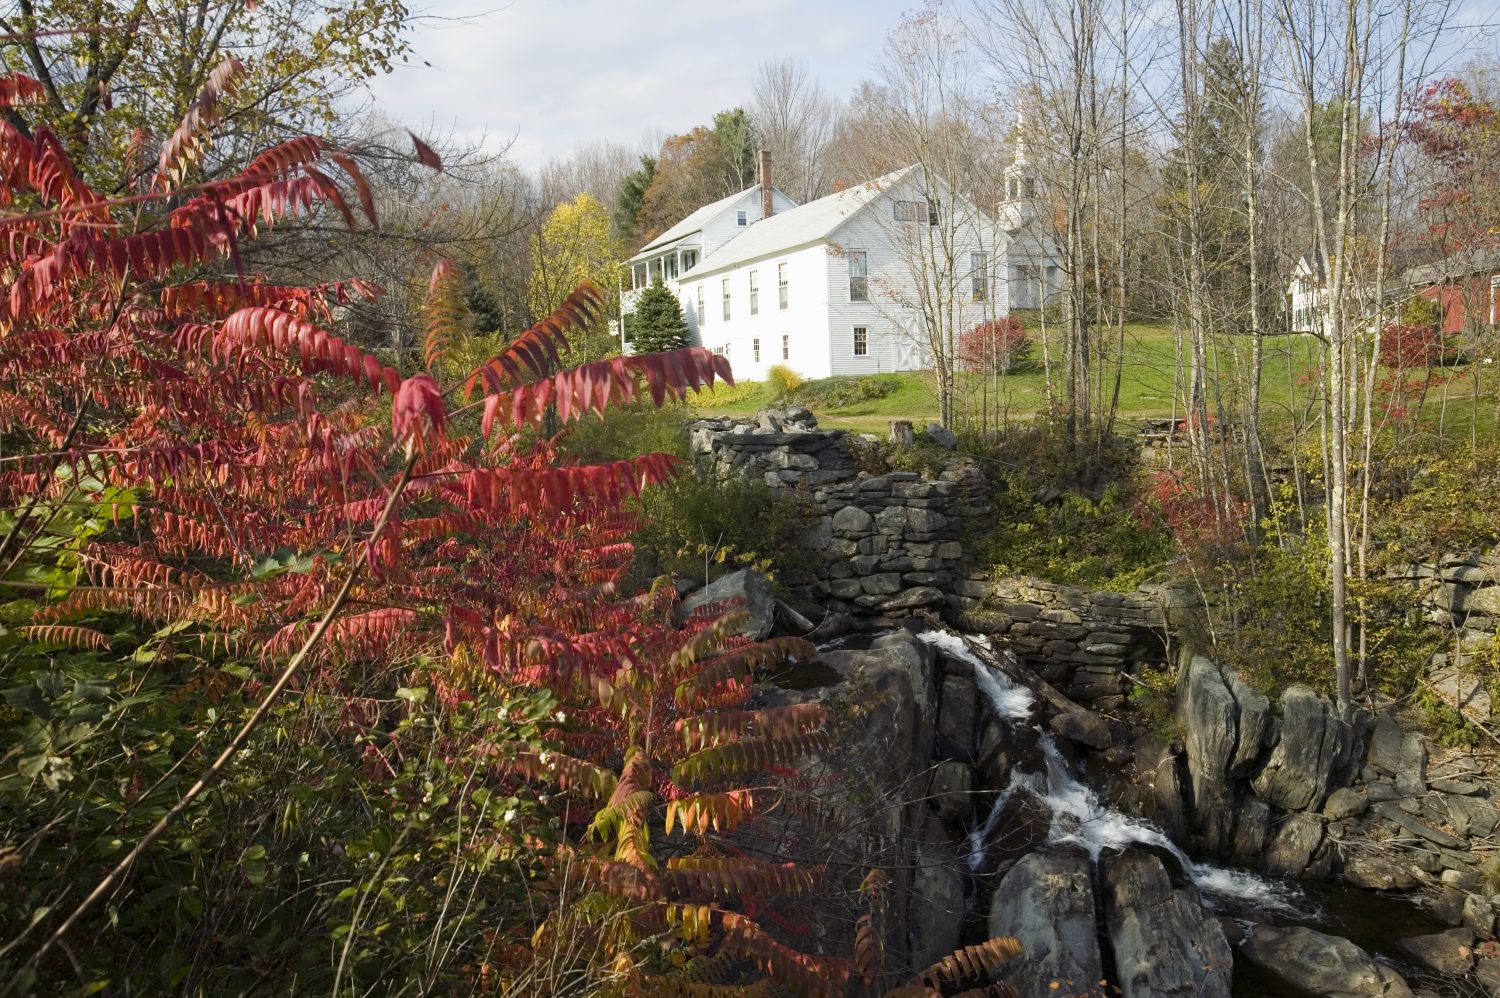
pixel 632 198
pixel 656 324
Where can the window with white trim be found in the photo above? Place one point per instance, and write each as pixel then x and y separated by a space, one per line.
pixel 786 347
pixel 781 288
pixel 861 341
pixel 1495 300
pixel 740 218
pixel 726 299
pixel 859 275
pixel 979 276
pixel 701 316
pixel 915 211
pixel 755 349
pixel 754 294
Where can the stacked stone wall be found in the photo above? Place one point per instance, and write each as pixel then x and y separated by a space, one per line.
pixel 893 544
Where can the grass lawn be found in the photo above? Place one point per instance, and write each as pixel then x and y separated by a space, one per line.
pixel 1147 377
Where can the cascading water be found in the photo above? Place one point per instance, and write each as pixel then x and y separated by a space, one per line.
pixel 1076 815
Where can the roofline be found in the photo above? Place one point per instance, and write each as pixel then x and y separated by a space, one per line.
pixel 694 274
pixel 653 247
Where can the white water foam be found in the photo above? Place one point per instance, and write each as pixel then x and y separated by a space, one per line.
pixel 1009 701
pixel 1077 816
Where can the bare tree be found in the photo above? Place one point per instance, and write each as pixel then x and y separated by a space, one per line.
pixel 795 120
pixel 930 118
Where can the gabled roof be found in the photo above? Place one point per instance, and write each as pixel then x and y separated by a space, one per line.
pixel 798 226
pixel 698 219
pixel 1463 263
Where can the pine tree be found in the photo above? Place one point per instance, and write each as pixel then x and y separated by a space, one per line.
pixel 656 324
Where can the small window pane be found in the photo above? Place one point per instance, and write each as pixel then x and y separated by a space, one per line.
pixel 726 299
pixel 781 289
pixel 755 347
pixel 701 315
pixel 739 218
pixel 859 276
pixel 786 347
pixel 754 294
pixel 980 275
pixel 861 341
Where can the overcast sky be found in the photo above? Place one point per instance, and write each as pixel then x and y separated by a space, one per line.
pixel 555 74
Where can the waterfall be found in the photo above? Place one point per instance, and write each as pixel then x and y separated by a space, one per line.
pixel 1077 815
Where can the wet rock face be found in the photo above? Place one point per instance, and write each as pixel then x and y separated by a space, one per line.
pixel 1164 942
pixel 1046 901
pixel 1320 964
pixel 1313 748
pixel 1211 720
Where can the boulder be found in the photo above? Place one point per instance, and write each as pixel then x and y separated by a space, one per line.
pixel 940 435
pixel 1164 942
pixel 1450 952
pixel 1380 873
pixel 1398 754
pixel 1293 845
pixel 956 716
pixel 751 589
pixel 1046 901
pixel 1313 750
pixel 1345 802
pixel 1320 964
pixel 952 791
pixel 1252 824
pixel 1436 836
pixel 1209 717
pixel 1083 727
pixel 935 913
pixel 889 753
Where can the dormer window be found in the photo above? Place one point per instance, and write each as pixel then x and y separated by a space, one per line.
pixel 740 218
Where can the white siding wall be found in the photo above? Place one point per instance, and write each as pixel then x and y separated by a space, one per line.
pixel 895 340
pixel 804 321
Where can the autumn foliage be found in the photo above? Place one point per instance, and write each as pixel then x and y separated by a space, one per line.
pixel 252 472
pixel 998 346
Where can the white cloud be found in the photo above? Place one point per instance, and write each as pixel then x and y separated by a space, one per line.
pixel 558 73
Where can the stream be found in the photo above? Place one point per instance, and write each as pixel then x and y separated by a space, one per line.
pixel 1076 816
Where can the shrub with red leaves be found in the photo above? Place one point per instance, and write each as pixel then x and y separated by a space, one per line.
pixel 998 346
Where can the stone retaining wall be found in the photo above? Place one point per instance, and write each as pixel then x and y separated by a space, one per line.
pixel 1083 642
pixel 889 545
pixel 893 544
pixel 1461 594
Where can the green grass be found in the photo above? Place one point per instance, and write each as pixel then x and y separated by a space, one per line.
pixel 1148 375
pixel 1146 385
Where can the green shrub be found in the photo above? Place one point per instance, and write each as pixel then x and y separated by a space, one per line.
pixel 701 528
pixel 1154 698
pixel 723 395
pixel 1065 513
pixel 784 381
pixel 630 430
pixel 843 390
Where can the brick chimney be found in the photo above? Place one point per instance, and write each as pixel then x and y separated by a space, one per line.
pixel 767 202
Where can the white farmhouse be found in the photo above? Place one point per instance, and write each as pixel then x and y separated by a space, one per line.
pixel 857 282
